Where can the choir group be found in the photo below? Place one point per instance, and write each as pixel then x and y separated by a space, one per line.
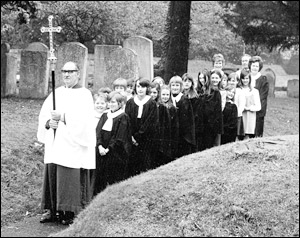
pixel 143 124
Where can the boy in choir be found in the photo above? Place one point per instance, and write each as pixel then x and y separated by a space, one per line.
pixel 230 114
pixel 113 144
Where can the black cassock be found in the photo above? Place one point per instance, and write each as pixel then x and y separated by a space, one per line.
pixel 112 167
pixel 187 138
pixel 209 119
pixel 229 123
pixel 145 132
pixel 168 134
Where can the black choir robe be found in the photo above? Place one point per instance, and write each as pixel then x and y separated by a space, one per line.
pixel 230 116
pixel 210 119
pixel 112 167
pixel 174 131
pixel 168 134
pixel 144 130
pixel 187 138
pixel 194 101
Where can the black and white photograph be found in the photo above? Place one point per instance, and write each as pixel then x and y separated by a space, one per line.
pixel 149 118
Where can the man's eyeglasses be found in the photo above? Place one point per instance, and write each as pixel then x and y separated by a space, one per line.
pixel 68 71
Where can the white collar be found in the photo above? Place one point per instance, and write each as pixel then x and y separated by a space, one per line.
pixel 110 116
pixel 141 103
pixel 254 77
pixel 176 99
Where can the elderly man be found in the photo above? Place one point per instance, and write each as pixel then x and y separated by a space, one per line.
pixel 70 151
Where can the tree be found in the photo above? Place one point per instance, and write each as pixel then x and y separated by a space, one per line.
pixel 267 23
pixel 27 9
pixel 210 35
pixel 176 41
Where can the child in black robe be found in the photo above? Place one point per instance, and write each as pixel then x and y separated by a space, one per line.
pixel 113 144
pixel 210 117
pixel 186 139
pixel 230 116
pixel 168 128
pixel 143 113
pixel 190 92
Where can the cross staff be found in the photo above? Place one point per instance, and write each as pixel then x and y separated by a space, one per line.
pixel 52 57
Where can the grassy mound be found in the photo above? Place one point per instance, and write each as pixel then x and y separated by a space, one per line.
pixel 248 188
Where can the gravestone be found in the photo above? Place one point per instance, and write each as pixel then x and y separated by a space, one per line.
pixel 11 75
pixel 144 49
pixel 4 50
pixel 123 63
pixel 271 76
pixel 293 88
pixel 34 74
pixel 101 55
pixel 117 63
pixel 37 46
pixel 75 52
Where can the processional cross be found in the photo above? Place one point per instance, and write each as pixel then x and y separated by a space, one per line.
pixel 52 57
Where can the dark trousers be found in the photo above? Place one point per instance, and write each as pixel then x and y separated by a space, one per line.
pixel 259 128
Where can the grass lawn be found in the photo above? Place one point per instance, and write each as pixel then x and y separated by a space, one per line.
pixel 243 189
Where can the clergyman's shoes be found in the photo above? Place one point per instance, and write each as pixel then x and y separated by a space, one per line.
pixel 47 217
pixel 68 218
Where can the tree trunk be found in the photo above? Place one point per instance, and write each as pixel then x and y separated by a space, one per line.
pixel 176 43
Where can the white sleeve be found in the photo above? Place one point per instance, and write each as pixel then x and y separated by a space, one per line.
pixel 257 105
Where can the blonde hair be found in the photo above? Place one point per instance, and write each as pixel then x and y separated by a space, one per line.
pixel 120 82
pixel 176 79
pixel 100 95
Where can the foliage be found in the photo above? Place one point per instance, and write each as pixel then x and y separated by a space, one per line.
pixel 26 9
pixel 111 22
pixel 268 23
pixel 209 35
pixel 89 22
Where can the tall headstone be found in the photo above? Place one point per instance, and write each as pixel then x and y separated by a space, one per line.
pixel 11 75
pixel 4 50
pixel 144 49
pixel 115 62
pixel 271 76
pixel 101 56
pixel 123 63
pixel 34 74
pixel 9 67
pixel 37 46
pixel 293 88
pixel 75 52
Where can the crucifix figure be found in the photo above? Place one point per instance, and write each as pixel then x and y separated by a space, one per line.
pixel 52 57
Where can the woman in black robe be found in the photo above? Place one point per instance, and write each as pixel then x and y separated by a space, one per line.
pixel 143 113
pixel 186 139
pixel 113 144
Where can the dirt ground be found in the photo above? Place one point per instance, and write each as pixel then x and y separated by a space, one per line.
pixel 31 227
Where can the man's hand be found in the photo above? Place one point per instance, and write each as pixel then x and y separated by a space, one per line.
pixel 55 115
pixel 53 124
